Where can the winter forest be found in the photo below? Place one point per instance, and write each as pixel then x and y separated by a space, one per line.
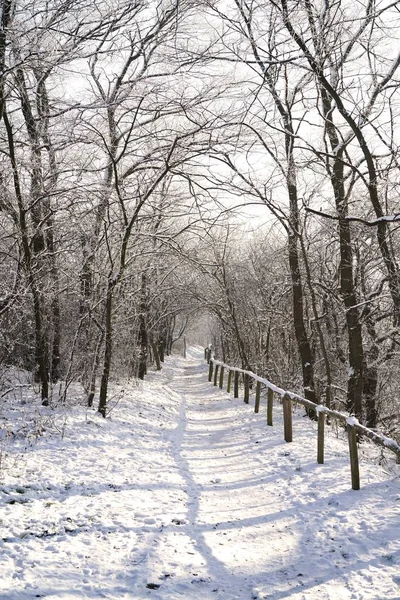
pixel 227 171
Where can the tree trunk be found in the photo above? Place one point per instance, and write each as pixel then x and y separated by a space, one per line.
pixel 40 338
pixel 303 343
pixel 143 336
pixel 370 384
pixel 156 355
pixel 324 352
pixel 347 287
pixel 5 18
pixel 107 350
pixel 96 361
pixel 161 350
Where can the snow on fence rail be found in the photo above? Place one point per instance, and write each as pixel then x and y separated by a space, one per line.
pixel 216 374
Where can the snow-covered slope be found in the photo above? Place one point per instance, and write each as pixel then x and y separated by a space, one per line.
pixel 186 493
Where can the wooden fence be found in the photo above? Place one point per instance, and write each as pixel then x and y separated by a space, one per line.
pixel 216 373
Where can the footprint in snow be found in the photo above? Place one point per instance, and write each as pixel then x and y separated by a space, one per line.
pixel 179 521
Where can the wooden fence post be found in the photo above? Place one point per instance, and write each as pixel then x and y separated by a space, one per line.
pixel 216 374
pixel 287 418
pixel 205 353
pixel 184 346
pixel 228 385
pixel 236 385
pixel 210 370
pixel 270 403
pixel 321 437
pixel 355 472
pixel 258 394
pixel 221 378
pixel 246 381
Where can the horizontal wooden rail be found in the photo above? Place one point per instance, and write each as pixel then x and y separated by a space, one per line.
pixel 352 424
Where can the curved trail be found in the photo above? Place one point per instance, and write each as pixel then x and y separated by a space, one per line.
pixel 184 493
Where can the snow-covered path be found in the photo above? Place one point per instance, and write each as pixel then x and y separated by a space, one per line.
pixel 185 493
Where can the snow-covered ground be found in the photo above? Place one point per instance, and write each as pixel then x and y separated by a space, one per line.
pixel 186 493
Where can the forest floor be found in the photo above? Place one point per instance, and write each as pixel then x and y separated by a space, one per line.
pixel 185 493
